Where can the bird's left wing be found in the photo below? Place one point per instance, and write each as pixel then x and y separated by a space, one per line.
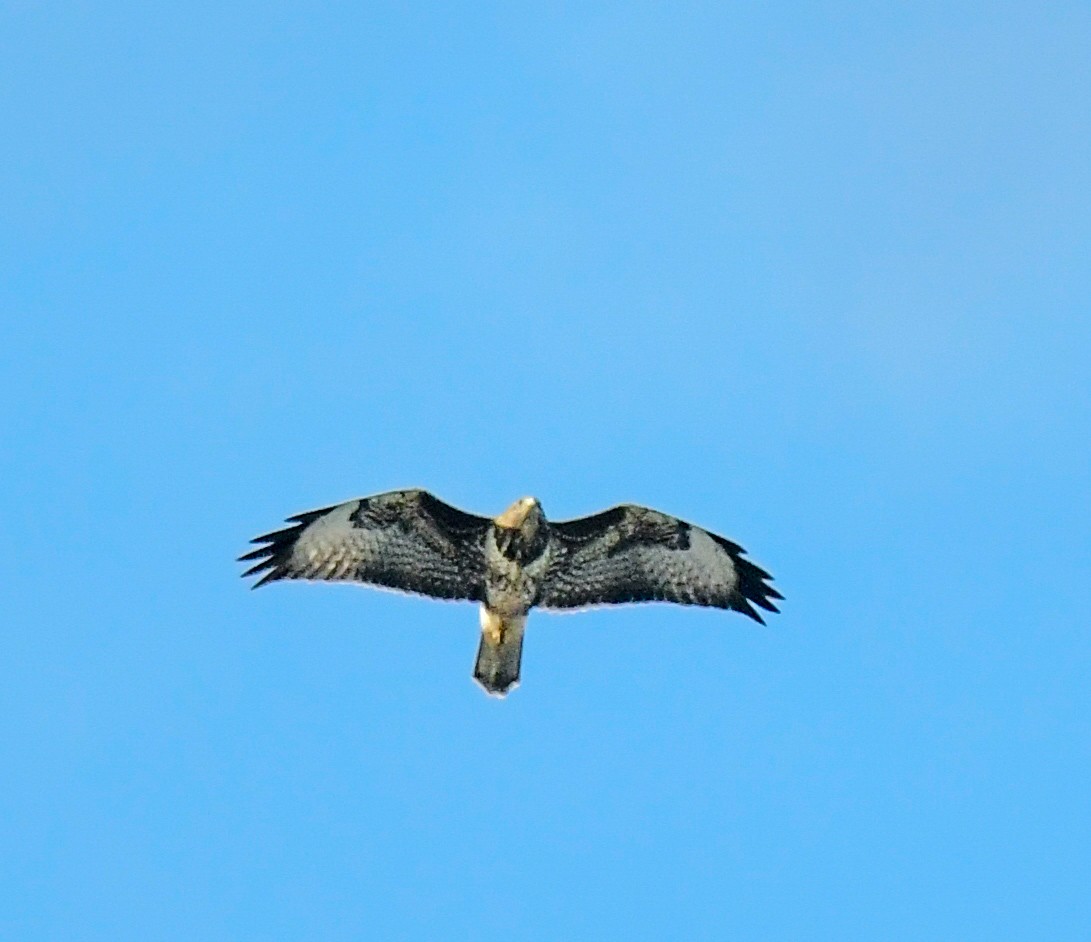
pixel 635 554
pixel 405 540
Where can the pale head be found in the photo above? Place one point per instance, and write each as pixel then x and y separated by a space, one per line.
pixel 524 514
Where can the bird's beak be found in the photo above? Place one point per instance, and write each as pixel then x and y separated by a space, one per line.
pixel 513 517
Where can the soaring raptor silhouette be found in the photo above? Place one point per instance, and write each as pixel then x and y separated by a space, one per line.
pixel 414 542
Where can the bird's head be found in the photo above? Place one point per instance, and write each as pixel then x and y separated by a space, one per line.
pixel 519 531
pixel 524 515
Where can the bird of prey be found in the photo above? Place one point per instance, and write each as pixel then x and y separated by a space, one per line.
pixel 413 542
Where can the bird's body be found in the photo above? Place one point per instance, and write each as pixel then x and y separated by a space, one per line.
pixel 414 542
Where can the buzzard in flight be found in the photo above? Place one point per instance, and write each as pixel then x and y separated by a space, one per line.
pixel 414 542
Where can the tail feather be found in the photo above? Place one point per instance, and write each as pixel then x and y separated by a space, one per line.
pixel 499 653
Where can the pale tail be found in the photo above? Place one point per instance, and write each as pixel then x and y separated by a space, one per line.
pixel 499 653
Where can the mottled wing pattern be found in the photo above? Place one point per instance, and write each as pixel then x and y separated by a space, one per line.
pixel 406 540
pixel 634 554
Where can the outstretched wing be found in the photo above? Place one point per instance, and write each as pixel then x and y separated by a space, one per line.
pixel 406 540
pixel 634 554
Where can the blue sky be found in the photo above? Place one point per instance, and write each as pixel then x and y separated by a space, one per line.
pixel 813 275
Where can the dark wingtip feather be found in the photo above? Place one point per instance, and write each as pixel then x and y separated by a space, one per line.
pixel 260 567
pixel 276 552
pixel 276 562
pixel 308 516
pixel 741 604
pixel 268 577
pixel 278 536
pixel 753 589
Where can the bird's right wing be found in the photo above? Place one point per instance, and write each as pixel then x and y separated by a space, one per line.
pixel 405 540
pixel 635 554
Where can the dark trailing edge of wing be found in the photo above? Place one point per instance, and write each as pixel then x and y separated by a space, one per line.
pixel 752 586
pixel 275 554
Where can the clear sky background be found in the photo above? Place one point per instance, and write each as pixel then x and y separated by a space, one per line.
pixel 813 275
